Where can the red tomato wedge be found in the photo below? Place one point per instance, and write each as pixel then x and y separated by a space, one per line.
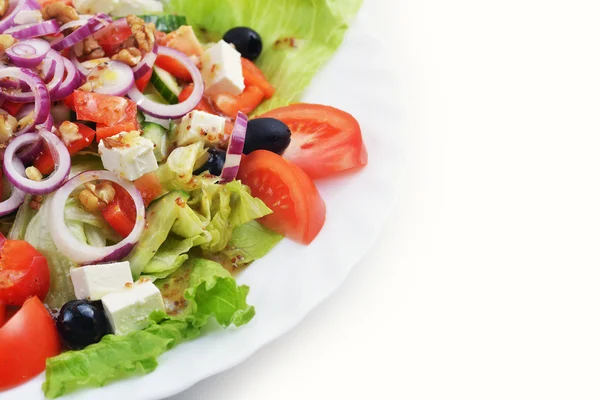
pixel 246 102
pixel 149 187
pixel 253 76
pixel 143 81
pixel 204 104
pixel 23 273
pixel 120 213
pixel 26 341
pixel 298 209
pixel 2 314
pixel 44 161
pixel 173 67
pixel 102 108
pixel 12 108
pixel 325 140
pixel 111 37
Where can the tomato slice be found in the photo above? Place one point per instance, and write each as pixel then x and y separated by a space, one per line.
pixel 120 213
pixel 2 314
pixel 325 140
pixel 149 187
pixel 103 131
pixel 111 37
pixel 204 104
pixel 173 67
pixel 26 341
pixel 143 81
pixel 246 102
pixel 103 108
pixel 44 161
pixel 253 76
pixel 298 209
pixel 23 273
pixel 12 108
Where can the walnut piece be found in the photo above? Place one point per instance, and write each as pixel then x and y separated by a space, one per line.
pixel 8 126
pixel 6 41
pixel 91 49
pixel 96 197
pixel 144 33
pixel 69 132
pixel 62 12
pixel 33 173
pixel 130 56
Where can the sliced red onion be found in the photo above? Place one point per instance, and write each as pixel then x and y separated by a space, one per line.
pixel 93 25
pixel 52 61
pixel 83 253
pixel 113 77
pixel 38 89
pixel 28 17
pixel 71 82
pixel 17 196
pixel 14 7
pixel 59 71
pixel 29 154
pixel 36 29
pixel 48 68
pixel 83 19
pixel 60 155
pixel 85 67
pixel 28 53
pixel 172 111
pixel 146 63
pixel 235 149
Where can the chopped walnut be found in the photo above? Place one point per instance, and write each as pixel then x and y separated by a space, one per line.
pixel 104 191
pixel 8 126
pixel 90 202
pixel 130 56
pixel 69 132
pixel 33 173
pixel 144 33
pixel 26 120
pixel 62 12
pixel 6 41
pixel 91 49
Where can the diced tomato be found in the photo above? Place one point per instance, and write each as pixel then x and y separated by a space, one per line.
pixel 26 341
pixel 173 67
pixel 143 81
pixel 23 273
pixel 2 314
pixel 204 105
pixel 111 37
pixel 102 108
pixel 103 131
pixel 120 213
pixel 12 108
pixel 325 140
pixel 184 40
pixel 149 187
pixel 44 161
pixel 70 101
pixel 246 102
pixel 298 209
pixel 253 76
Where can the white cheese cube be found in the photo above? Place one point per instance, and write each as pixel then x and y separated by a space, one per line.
pixel 128 154
pixel 129 309
pixel 222 69
pixel 91 282
pixel 200 126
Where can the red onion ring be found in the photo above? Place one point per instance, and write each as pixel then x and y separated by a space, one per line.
pixel 37 29
pixel 235 149
pixel 53 61
pixel 83 253
pixel 93 25
pixel 71 82
pixel 38 89
pixel 25 17
pixel 146 63
pixel 30 153
pixel 60 155
pixel 114 78
pixel 17 196
pixel 172 111
pixel 28 53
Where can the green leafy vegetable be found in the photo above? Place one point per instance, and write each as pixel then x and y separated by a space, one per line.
pixel 299 36
pixel 166 23
pixel 250 242
pixel 212 293
pixel 171 255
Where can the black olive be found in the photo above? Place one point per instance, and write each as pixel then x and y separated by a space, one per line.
pixel 216 160
pixel 245 40
pixel 82 323
pixel 267 134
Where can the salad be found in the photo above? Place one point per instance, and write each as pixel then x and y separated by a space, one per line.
pixel 148 154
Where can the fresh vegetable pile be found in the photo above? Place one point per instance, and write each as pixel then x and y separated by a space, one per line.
pixel 134 182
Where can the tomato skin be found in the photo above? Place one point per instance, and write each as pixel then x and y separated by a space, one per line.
pixel 120 213
pixel 149 187
pixel 143 81
pixel 111 37
pixel 12 108
pixel 103 131
pixel 24 273
pixel 173 67
pixel 253 76
pixel 2 314
pixel 44 161
pixel 298 209
pixel 325 140
pixel 246 102
pixel 204 104
pixel 103 108
pixel 26 341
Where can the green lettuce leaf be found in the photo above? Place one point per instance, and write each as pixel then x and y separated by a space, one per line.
pixel 171 255
pixel 299 36
pixel 212 293
pixel 250 242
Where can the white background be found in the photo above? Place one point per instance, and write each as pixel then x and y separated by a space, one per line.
pixel 485 283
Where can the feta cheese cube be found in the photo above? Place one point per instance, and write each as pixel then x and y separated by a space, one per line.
pixel 128 154
pixel 91 282
pixel 222 70
pixel 200 126
pixel 129 309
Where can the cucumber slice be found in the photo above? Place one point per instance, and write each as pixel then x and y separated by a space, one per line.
pixel 166 23
pixel 166 85
pixel 158 135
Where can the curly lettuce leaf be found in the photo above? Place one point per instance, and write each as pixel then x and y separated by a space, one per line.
pixel 250 242
pixel 212 293
pixel 299 36
pixel 171 255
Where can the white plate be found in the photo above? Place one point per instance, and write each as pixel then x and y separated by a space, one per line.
pixel 293 279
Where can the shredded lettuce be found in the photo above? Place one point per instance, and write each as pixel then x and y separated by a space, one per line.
pixel 299 36
pixel 212 293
